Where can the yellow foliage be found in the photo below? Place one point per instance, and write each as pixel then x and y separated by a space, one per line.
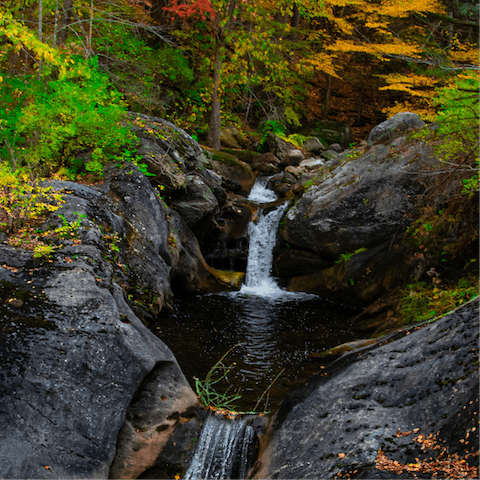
pixel 426 112
pixel 21 37
pixel 379 50
pixel 403 8
pixel 324 63
pixel 410 83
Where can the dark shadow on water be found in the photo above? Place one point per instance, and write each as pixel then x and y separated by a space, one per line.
pixel 287 332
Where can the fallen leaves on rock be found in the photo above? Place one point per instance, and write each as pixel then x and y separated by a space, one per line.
pixel 443 465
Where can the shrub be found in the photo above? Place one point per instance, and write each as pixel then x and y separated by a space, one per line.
pixel 74 122
pixel 23 201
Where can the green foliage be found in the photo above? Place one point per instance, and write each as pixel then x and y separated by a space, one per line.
pixel 75 114
pixel 207 389
pixel 458 128
pixel 274 126
pixel 23 201
pixel 345 257
pixel 69 229
pixel 41 250
pixel 423 301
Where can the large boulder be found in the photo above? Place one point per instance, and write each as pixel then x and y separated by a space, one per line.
pixel 198 206
pixel 165 138
pixel 280 148
pixel 364 203
pixel 84 384
pixel 191 274
pixel 227 245
pixel 313 145
pixel 377 412
pixel 73 356
pixel 398 125
pixel 359 280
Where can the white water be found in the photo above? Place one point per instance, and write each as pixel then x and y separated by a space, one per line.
pixel 260 193
pixel 263 238
pixel 223 449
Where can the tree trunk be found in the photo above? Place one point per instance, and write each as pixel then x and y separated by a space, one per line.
pixel 40 19
pixel 65 22
pixel 327 98
pixel 295 21
pixel 213 140
pixel 90 29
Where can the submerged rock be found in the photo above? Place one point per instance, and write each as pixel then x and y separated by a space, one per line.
pixel 382 402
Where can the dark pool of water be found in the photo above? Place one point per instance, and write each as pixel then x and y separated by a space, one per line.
pixel 287 332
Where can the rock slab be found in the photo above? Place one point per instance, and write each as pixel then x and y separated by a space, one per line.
pixel 425 382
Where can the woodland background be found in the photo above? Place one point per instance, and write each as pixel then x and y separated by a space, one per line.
pixel 70 69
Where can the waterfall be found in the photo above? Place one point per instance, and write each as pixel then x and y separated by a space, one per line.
pixel 225 450
pixel 263 238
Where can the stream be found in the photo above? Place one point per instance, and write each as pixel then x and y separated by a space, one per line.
pixel 272 329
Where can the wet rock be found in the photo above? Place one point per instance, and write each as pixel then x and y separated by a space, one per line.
pixel 73 355
pixel 78 363
pixel 419 382
pixel 362 279
pixel 197 205
pixel 191 274
pixel 227 245
pixel 292 263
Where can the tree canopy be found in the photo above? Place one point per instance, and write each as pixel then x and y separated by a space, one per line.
pixel 207 63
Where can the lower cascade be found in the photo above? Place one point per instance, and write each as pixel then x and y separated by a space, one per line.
pixel 226 449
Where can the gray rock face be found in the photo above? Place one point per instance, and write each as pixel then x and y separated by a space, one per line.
pixel 362 204
pixel 425 382
pixel 73 354
pixel 313 145
pixel 197 205
pixel 170 139
pixel 394 127
pixel 77 361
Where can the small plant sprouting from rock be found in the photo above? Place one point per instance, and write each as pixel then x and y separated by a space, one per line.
pixel 69 229
pixel 345 257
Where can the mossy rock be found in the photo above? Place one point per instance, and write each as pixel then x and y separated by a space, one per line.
pixel 247 156
pixel 237 175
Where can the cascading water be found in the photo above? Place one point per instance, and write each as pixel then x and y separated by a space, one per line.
pixel 225 450
pixel 275 330
pixel 263 237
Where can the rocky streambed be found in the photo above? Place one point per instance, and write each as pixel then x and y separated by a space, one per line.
pixel 88 391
